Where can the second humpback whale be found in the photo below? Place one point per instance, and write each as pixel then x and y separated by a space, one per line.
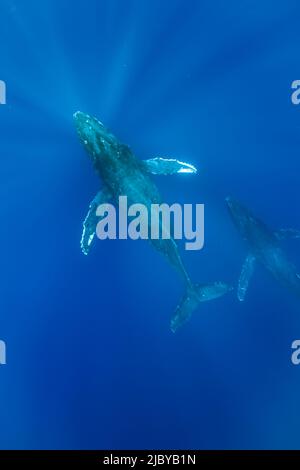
pixel 264 247
pixel 122 174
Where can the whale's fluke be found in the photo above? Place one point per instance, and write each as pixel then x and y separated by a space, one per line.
pixel 194 295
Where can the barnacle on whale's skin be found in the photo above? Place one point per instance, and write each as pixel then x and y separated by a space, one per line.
pixel 122 174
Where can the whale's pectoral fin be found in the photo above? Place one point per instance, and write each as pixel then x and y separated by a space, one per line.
pixel 286 233
pixel 247 271
pixel 167 166
pixel 91 220
pixel 195 294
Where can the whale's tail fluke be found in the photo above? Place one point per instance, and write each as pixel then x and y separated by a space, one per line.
pixel 195 294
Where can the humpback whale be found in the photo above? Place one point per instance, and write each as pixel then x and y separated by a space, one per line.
pixel 264 247
pixel 122 174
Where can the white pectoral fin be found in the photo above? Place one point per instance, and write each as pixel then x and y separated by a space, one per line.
pixel 247 271
pixel 286 233
pixel 91 220
pixel 168 166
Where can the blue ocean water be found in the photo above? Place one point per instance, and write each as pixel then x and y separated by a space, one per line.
pixel 91 360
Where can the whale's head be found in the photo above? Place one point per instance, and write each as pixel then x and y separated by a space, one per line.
pixel 241 216
pixel 95 138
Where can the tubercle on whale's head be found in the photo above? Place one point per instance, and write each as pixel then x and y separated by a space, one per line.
pixel 96 139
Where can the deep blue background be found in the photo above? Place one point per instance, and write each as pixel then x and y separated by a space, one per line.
pixel 91 359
